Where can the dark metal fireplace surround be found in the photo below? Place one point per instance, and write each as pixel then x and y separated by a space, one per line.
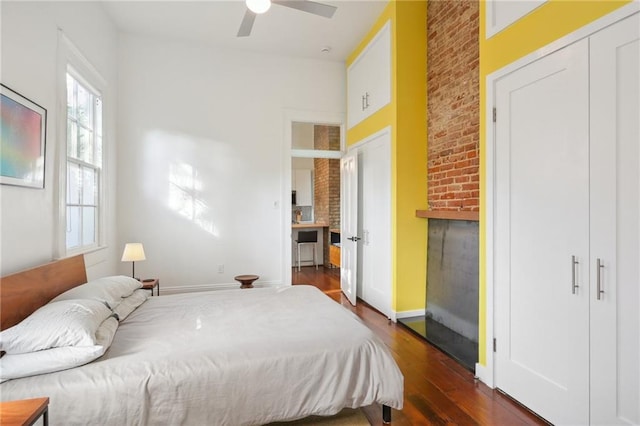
pixel 451 319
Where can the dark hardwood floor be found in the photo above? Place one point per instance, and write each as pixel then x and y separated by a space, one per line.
pixel 437 390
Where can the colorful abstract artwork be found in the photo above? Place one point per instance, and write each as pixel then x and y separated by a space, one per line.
pixel 22 140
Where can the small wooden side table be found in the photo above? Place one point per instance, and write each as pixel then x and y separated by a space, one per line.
pixel 246 281
pixel 24 412
pixel 150 284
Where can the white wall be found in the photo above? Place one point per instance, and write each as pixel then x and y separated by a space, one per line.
pixel 28 66
pixel 217 115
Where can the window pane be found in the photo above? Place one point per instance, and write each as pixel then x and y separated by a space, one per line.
pixel 73 183
pixel 89 188
pixel 317 137
pixel 72 139
pixel 85 145
pixel 98 128
pixel 98 153
pixel 85 107
pixel 73 227
pixel 88 225
pixel 71 100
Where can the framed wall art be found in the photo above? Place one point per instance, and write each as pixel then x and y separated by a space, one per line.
pixel 23 128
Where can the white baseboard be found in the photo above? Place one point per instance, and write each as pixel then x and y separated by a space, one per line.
pixel 484 375
pixel 212 287
pixel 409 314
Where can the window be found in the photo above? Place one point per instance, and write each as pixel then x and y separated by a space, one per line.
pixel 83 164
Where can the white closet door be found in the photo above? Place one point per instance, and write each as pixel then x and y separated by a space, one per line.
pixel 615 224
pixel 374 168
pixel 541 221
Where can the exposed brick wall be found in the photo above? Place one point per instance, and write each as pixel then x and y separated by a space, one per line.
pixel 327 182
pixel 453 107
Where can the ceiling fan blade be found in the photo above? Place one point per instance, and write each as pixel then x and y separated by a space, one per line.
pixel 309 6
pixel 247 24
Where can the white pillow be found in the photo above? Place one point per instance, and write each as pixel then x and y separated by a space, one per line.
pixel 129 304
pixel 110 290
pixel 55 325
pixel 56 359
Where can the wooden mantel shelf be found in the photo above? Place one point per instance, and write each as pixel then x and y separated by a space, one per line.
pixel 452 215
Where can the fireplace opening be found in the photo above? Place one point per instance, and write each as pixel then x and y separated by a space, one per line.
pixel 451 317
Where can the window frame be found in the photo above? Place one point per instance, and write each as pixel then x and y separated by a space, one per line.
pixel 82 164
pixel 71 61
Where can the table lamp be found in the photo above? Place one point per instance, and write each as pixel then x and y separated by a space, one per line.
pixel 133 252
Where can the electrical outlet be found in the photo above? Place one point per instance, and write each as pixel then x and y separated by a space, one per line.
pixel 221 269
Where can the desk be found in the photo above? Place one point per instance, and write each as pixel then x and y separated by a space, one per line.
pixel 24 412
pixel 309 225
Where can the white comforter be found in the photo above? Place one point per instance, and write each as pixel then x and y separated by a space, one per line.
pixel 235 357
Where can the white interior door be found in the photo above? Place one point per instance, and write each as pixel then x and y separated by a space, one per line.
pixel 374 224
pixel 541 225
pixel 349 225
pixel 615 224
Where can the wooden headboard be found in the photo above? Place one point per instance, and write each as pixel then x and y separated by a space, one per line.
pixel 24 292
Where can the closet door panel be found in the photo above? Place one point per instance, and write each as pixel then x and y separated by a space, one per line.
pixel 541 221
pixel 374 223
pixel 615 223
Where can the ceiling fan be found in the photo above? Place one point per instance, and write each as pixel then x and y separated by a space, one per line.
pixel 255 7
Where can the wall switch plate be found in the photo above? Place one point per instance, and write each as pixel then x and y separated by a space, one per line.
pixel 221 269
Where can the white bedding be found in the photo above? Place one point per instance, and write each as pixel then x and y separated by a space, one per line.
pixel 234 357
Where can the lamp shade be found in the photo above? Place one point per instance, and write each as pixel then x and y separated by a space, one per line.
pixel 133 252
pixel 258 6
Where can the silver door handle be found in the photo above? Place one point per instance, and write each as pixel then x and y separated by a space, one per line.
pixel 363 104
pixel 354 239
pixel 366 100
pixel 574 285
pixel 599 290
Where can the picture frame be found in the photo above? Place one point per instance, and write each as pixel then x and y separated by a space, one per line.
pixel 23 129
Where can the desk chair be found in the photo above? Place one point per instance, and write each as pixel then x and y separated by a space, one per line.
pixel 307 237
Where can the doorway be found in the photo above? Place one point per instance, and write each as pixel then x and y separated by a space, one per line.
pixel 315 183
pixel 311 170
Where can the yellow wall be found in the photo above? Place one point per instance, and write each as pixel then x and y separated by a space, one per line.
pixel 549 22
pixel 406 114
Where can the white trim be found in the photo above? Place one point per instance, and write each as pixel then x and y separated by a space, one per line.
pixel 70 57
pixel 487 373
pixel 579 34
pixel 80 63
pixel 369 138
pixel 409 314
pixel 492 29
pixel 214 287
pixel 289 117
pixel 315 153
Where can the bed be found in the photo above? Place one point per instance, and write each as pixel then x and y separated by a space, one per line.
pixel 228 357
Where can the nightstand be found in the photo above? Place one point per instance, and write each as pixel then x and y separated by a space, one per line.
pixel 24 412
pixel 150 284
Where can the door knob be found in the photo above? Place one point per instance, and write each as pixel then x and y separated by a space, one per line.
pixel 354 238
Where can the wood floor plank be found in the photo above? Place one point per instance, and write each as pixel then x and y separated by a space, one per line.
pixel 438 390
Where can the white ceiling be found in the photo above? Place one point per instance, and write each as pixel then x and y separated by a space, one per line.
pixel 281 30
